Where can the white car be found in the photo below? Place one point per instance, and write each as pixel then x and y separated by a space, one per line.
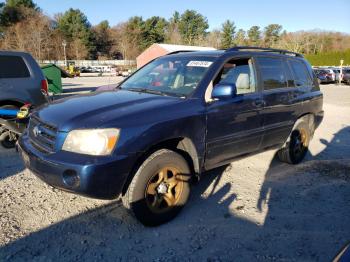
pixel 331 73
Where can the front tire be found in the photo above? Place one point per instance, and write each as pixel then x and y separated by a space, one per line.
pixel 159 189
pixel 296 147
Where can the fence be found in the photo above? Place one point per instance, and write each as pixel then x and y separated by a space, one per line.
pixel 87 63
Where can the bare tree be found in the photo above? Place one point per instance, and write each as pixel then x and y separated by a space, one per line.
pixel 31 35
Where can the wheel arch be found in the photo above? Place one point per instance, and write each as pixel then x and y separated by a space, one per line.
pixel 181 145
pixel 310 118
pixel 11 102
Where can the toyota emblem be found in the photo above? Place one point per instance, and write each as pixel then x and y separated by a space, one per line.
pixel 36 131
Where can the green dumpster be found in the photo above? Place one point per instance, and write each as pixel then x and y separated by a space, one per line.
pixel 53 76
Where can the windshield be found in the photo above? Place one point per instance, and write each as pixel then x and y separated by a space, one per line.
pixel 174 76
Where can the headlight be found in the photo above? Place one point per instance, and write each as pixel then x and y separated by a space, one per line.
pixel 96 142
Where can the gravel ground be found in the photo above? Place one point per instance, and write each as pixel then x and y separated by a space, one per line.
pixel 256 209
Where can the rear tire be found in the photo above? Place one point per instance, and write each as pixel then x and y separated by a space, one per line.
pixel 159 189
pixel 296 147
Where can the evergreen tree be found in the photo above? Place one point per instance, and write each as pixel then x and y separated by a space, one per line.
pixel 14 11
pixel 192 27
pixel 74 25
pixel 227 35
pixel 254 35
pixel 153 31
pixel 272 34
pixel 240 38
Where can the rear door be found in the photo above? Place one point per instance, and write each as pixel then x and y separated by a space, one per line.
pixel 235 126
pixel 304 85
pixel 279 93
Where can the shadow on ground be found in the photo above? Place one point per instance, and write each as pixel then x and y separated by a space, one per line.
pixel 307 218
pixel 10 163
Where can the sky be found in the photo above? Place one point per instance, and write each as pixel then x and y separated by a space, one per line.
pixel 293 15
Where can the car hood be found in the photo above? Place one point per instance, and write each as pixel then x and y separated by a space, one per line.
pixel 103 109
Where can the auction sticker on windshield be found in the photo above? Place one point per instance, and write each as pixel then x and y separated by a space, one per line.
pixel 199 63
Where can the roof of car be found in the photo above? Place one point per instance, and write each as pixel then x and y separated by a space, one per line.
pixel 218 53
pixel 215 53
pixel 6 52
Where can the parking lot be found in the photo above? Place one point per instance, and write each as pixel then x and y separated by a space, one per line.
pixel 254 209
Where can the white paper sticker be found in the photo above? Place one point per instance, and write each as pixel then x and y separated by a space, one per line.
pixel 199 63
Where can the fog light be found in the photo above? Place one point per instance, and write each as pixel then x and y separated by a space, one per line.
pixel 71 178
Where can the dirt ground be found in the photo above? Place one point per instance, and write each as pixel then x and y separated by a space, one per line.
pixel 256 209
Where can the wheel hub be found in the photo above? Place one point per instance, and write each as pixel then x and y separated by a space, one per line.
pixel 162 188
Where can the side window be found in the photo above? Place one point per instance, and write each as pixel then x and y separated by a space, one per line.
pixel 301 74
pixel 13 67
pixel 272 72
pixel 289 75
pixel 239 72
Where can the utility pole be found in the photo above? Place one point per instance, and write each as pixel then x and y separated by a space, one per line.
pixel 64 43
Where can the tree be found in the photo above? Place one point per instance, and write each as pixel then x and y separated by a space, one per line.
pixel 240 38
pixel 192 27
pixel 127 38
pixel 103 39
pixel 153 31
pixel 24 3
pixel 74 25
pixel 254 35
pixel 227 36
pixel 14 11
pixel 214 39
pixel 31 35
pixel 172 33
pixel 272 34
pixel 134 34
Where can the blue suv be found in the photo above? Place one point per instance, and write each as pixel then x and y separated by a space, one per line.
pixel 176 117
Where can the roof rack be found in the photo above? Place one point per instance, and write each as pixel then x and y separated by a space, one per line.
pixel 264 49
pixel 180 51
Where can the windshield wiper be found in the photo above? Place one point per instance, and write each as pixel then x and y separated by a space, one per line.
pixel 152 91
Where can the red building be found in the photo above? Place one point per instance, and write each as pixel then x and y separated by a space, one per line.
pixel 157 50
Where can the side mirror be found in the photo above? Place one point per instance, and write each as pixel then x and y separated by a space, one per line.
pixel 224 91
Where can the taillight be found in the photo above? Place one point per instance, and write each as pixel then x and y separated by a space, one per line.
pixel 44 86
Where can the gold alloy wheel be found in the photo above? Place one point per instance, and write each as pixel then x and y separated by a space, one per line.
pixel 164 189
pixel 301 142
pixel 304 137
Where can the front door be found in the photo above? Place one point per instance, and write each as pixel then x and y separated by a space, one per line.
pixel 234 126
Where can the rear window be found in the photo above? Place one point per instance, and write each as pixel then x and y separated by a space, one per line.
pixel 301 74
pixel 272 72
pixel 13 67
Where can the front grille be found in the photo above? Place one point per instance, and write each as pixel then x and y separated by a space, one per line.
pixel 42 135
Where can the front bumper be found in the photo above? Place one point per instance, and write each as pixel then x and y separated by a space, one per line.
pixel 97 177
